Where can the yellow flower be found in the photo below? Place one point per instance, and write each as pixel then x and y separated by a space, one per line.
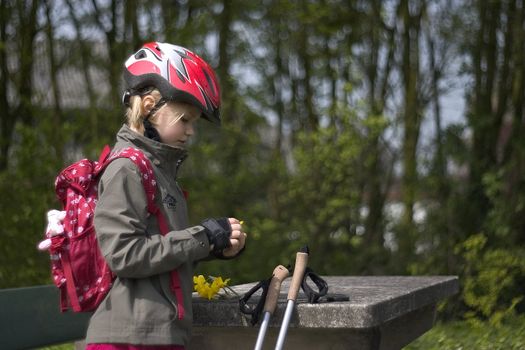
pixel 218 283
pixel 209 290
pixel 199 280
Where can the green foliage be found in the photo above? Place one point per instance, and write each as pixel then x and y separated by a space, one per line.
pixel 27 189
pixel 506 191
pixel 319 199
pixel 27 193
pixel 492 279
pixel 480 336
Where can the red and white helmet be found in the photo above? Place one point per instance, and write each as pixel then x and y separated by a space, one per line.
pixel 179 74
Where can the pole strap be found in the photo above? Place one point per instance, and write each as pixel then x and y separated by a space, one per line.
pixel 255 311
pixel 322 287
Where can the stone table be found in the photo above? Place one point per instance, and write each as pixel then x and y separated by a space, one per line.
pixel 383 312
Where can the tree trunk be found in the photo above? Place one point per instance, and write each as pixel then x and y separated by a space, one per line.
pixel 55 89
pixel 132 32
pixel 482 118
pixel 85 59
pixel 23 82
pixel 312 121
pixel 223 69
pixel 27 32
pixel 411 121
pixel 377 78
pixel 8 117
pixel 116 57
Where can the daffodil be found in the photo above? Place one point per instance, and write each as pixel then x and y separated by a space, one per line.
pixel 218 283
pixel 199 280
pixel 209 290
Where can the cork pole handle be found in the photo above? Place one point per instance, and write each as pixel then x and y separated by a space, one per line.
pixel 279 275
pixel 301 261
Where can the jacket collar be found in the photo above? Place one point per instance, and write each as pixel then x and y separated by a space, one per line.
pixel 160 154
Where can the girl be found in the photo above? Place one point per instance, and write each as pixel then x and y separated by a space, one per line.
pixel 169 88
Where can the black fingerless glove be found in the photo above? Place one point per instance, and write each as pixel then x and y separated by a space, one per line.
pixel 219 232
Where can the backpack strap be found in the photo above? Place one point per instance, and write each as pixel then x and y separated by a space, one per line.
pixel 150 187
pixel 68 289
pixel 104 154
pixel 70 286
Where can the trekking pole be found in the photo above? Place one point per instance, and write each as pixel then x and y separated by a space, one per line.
pixel 301 260
pixel 279 275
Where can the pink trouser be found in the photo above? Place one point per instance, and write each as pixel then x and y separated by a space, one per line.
pixel 132 347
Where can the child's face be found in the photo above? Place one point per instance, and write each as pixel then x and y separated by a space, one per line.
pixel 175 123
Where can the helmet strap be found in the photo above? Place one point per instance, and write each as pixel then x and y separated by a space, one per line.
pixel 149 130
pixel 126 97
pixel 155 108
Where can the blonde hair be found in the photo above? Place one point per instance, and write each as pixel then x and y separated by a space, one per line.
pixel 135 116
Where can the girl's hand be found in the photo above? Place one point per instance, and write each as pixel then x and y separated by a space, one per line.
pixel 237 238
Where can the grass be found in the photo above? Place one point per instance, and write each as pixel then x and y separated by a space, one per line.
pixel 464 335
pixel 66 346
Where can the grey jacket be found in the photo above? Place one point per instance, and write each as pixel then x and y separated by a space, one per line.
pixel 140 308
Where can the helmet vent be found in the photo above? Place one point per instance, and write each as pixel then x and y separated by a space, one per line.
pixel 209 81
pixel 181 77
pixel 140 55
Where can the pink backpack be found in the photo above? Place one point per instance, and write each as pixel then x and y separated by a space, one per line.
pixel 77 265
